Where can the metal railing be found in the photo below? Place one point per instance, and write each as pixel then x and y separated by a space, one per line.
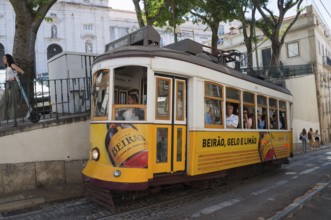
pixel 52 99
pixel 279 71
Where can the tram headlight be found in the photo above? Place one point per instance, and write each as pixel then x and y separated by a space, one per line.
pixel 117 173
pixel 95 154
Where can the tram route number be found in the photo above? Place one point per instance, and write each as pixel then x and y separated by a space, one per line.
pixel 222 142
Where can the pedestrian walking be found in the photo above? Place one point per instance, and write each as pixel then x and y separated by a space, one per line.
pixel 304 138
pixel 311 138
pixel 317 139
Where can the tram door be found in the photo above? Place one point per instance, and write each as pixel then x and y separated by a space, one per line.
pixel 170 116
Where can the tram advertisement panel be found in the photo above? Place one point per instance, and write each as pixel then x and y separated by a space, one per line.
pixel 223 150
pixel 126 144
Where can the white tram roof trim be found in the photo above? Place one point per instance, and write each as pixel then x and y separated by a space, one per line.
pixel 153 51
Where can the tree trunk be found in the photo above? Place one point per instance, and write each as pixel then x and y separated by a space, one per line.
pixel 276 48
pixel 29 15
pixel 138 13
pixel 214 37
pixel 24 50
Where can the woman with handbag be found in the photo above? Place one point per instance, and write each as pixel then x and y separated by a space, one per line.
pixel 8 99
pixel 304 138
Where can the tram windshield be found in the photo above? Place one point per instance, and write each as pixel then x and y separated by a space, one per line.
pixel 130 93
pixel 101 93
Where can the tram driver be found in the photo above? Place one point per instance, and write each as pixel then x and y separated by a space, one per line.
pixel 231 119
pixel 133 114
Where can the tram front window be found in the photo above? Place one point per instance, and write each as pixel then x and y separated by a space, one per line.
pixel 101 93
pixel 130 93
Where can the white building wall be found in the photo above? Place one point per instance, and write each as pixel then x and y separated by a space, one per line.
pixel 305 104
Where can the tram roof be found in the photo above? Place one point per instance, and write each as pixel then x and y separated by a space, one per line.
pixel 154 51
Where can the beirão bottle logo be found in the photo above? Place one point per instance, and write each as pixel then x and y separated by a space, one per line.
pixel 126 146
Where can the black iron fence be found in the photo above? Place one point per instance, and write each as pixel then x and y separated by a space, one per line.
pixel 279 71
pixel 51 99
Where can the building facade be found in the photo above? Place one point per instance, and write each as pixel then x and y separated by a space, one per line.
pixel 84 26
pixel 305 69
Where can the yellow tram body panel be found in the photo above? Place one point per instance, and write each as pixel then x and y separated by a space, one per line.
pixel 105 172
pixel 203 152
pixel 220 150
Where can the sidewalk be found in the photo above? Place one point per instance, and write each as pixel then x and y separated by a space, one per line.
pixel 37 197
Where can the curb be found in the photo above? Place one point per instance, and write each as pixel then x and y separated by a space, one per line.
pixel 11 204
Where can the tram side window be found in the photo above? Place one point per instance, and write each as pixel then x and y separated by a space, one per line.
pixel 163 99
pixel 180 101
pixel 262 112
pixel 101 93
pixel 282 114
pixel 232 108
pixel 273 113
pixel 213 105
pixel 249 110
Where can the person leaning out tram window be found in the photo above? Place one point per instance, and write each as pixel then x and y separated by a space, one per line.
pixel 231 119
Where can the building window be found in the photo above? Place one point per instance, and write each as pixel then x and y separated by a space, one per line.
pixel 293 49
pixel 52 50
pixel 221 30
pixel 88 27
pixel 243 60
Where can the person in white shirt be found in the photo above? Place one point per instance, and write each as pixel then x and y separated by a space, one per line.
pixel 231 119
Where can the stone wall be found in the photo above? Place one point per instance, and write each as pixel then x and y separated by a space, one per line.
pixel 47 153
pixel 24 176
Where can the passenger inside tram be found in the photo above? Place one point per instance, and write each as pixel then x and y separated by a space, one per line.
pixel 209 115
pixel 248 121
pixel 232 120
pixel 260 121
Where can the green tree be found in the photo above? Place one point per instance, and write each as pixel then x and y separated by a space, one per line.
pixel 240 10
pixel 29 15
pixel 211 13
pixel 162 12
pixel 271 25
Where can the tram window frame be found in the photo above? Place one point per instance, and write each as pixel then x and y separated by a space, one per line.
pixel 283 114
pixel 250 106
pixel 273 108
pixel 236 105
pixel 105 96
pixel 263 107
pixel 209 100
pixel 167 106
pixel 180 106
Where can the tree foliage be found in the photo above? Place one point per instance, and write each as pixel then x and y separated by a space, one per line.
pixel 162 13
pixel 271 25
pixel 211 13
pixel 240 9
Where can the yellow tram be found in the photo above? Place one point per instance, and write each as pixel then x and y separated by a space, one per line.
pixel 161 116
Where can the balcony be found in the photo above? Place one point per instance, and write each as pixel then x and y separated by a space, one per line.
pixel 279 71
